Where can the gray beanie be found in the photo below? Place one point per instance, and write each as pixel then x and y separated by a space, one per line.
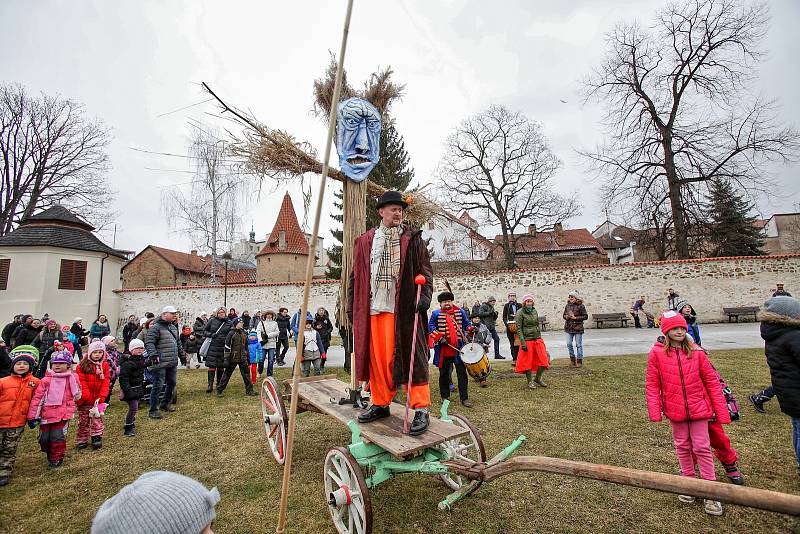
pixel 787 306
pixel 681 303
pixel 158 501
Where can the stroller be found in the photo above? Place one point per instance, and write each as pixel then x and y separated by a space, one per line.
pixel 148 390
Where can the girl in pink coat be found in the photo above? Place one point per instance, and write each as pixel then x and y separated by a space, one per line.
pixel 682 385
pixel 53 406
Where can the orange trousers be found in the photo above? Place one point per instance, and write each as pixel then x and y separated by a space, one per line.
pixel 381 363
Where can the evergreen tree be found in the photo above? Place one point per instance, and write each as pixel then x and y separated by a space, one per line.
pixel 391 172
pixel 334 271
pixel 732 230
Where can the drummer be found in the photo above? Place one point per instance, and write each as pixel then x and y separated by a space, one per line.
pixel 478 333
pixel 447 327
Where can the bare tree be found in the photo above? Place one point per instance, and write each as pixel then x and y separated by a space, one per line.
pixel 208 213
pixel 50 153
pixel 678 106
pixel 499 163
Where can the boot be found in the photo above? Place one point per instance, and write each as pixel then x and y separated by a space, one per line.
pixel 733 473
pixel 373 414
pixel 129 431
pixel 572 361
pixel 580 363
pixel 420 424
pixel 82 446
pixel 55 465
pixel 758 401
pixel 97 442
pixel 210 387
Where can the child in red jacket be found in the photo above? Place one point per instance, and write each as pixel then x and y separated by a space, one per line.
pixel 682 385
pixel 16 392
pixel 94 374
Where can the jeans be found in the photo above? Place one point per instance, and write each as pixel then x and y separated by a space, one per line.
pixel 796 438
pixel 578 344
pixel 444 378
pixel 283 342
pixel 269 357
pixel 160 377
pixel 496 339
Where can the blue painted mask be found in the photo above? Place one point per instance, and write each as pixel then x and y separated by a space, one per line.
pixel 358 132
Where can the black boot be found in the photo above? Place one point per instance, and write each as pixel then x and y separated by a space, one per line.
pixel 420 424
pixel 374 413
pixel 210 387
pixel 129 431
pixel 758 401
pixel 97 442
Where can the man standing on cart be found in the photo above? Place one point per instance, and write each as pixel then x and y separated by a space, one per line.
pixel 381 303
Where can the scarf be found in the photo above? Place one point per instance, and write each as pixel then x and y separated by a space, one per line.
pixel 98 366
pixel 58 384
pixel 389 263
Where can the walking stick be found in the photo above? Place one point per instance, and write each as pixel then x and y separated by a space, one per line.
pixel 287 467
pixel 420 281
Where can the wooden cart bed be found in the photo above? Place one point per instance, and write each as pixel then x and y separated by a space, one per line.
pixel 316 394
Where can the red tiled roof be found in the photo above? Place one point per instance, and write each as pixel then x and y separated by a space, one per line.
pixel 465 216
pixel 194 263
pixel 577 239
pixel 287 222
pixel 626 236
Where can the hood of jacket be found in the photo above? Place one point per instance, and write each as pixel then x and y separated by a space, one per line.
pixel 774 325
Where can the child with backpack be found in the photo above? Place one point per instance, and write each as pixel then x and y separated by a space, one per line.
pixel 682 385
pixel 256 355
pixel 16 392
pixel 94 374
pixel 53 406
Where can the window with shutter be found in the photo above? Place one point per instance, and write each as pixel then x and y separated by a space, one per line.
pixel 5 265
pixel 72 275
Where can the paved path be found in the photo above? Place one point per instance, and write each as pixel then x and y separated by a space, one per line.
pixel 616 341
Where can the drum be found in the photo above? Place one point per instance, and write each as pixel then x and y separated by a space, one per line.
pixel 512 326
pixel 476 361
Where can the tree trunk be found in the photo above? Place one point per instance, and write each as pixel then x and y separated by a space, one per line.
pixel 681 241
pixel 354 212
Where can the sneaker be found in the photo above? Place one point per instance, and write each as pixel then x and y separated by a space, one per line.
pixel 155 415
pixel 97 442
pixel 733 473
pixel 220 394
pixel 688 499
pixel 580 363
pixel 167 408
pixel 758 401
pixel 82 446
pixel 466 403
pixel 531 385
pixel 251 393
pixel 572 362
pixel 712 507
pixel 129 431
pixel 55 465
pixel 540 382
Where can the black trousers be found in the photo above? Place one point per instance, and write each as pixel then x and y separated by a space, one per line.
pixel 244 368
pixel 444 378
pixel 282 341
pixel 514 348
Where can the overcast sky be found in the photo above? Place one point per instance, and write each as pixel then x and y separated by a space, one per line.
pixel 131 62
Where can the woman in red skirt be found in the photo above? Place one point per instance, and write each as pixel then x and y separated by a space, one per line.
pixel 532 352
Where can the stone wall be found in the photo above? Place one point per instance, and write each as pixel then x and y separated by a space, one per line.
pixel 533 262
pixel 281 267
pixel 708 284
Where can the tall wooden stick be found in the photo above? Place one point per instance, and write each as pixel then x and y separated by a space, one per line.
pixel 287 468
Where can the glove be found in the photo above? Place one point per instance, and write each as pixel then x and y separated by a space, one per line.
pixel 32 423
pixel 434 338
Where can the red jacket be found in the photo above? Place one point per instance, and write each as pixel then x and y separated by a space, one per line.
pixel 683 387
pixel 92 387
pixel 16 393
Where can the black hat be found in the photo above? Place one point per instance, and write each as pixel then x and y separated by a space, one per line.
pixel 391 197
pixel 445 295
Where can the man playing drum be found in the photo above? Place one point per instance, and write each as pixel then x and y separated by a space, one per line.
pixel 381 303
pixel 447 326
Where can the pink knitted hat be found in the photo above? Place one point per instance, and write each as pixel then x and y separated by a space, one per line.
pixel 672 319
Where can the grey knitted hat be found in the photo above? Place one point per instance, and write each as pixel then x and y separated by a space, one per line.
pixel 158 501
pixel 787 306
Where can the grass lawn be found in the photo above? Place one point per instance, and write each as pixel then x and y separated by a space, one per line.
pixel 595 414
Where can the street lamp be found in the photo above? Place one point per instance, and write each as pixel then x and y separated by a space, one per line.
pixel 225 259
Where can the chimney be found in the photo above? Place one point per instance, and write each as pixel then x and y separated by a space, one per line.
pixel 557 228
pixel 194 253
pixel 532 230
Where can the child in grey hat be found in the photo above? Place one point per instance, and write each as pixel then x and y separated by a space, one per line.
pixel 148 505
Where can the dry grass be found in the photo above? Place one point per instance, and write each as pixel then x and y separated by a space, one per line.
pixel 595 414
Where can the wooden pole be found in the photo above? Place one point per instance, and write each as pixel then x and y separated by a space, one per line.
pixel 287 468
pixel 772 501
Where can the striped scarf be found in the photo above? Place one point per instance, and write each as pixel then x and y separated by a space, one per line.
pixel 389 263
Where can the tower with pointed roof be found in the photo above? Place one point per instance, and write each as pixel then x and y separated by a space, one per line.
pixel 284 255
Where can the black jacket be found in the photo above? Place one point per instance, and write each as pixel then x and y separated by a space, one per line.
pixel 8 331
pixel 46 338
pixel 199 328
pixel 216 351
pixel 510 310
pixel 131 376
pixel 782 347
pixel 322 324
pixel 283 326
pixel 5 363
pixel 26 335
pixel 129 332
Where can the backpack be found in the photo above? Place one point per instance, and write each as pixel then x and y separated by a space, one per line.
pixel 730 400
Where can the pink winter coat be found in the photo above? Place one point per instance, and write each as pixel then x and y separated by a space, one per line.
pixel 53 414
pixel 683 388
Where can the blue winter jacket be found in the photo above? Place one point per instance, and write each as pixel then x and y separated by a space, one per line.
pixel 254 345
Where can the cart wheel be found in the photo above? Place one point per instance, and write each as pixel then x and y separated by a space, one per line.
pixel 273 414
pixel 467 448
pixel 346 492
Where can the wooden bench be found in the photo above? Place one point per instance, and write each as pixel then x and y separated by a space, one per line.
pixel 741 310
pixel 601 318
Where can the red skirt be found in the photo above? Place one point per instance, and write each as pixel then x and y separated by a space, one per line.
pixel 534 357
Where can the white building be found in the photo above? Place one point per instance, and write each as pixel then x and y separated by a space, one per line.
pixel 618 241
pixel 246 250
pixel 455 238
pixel 53 263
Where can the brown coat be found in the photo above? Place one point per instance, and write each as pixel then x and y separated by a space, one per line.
pixel 414 260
